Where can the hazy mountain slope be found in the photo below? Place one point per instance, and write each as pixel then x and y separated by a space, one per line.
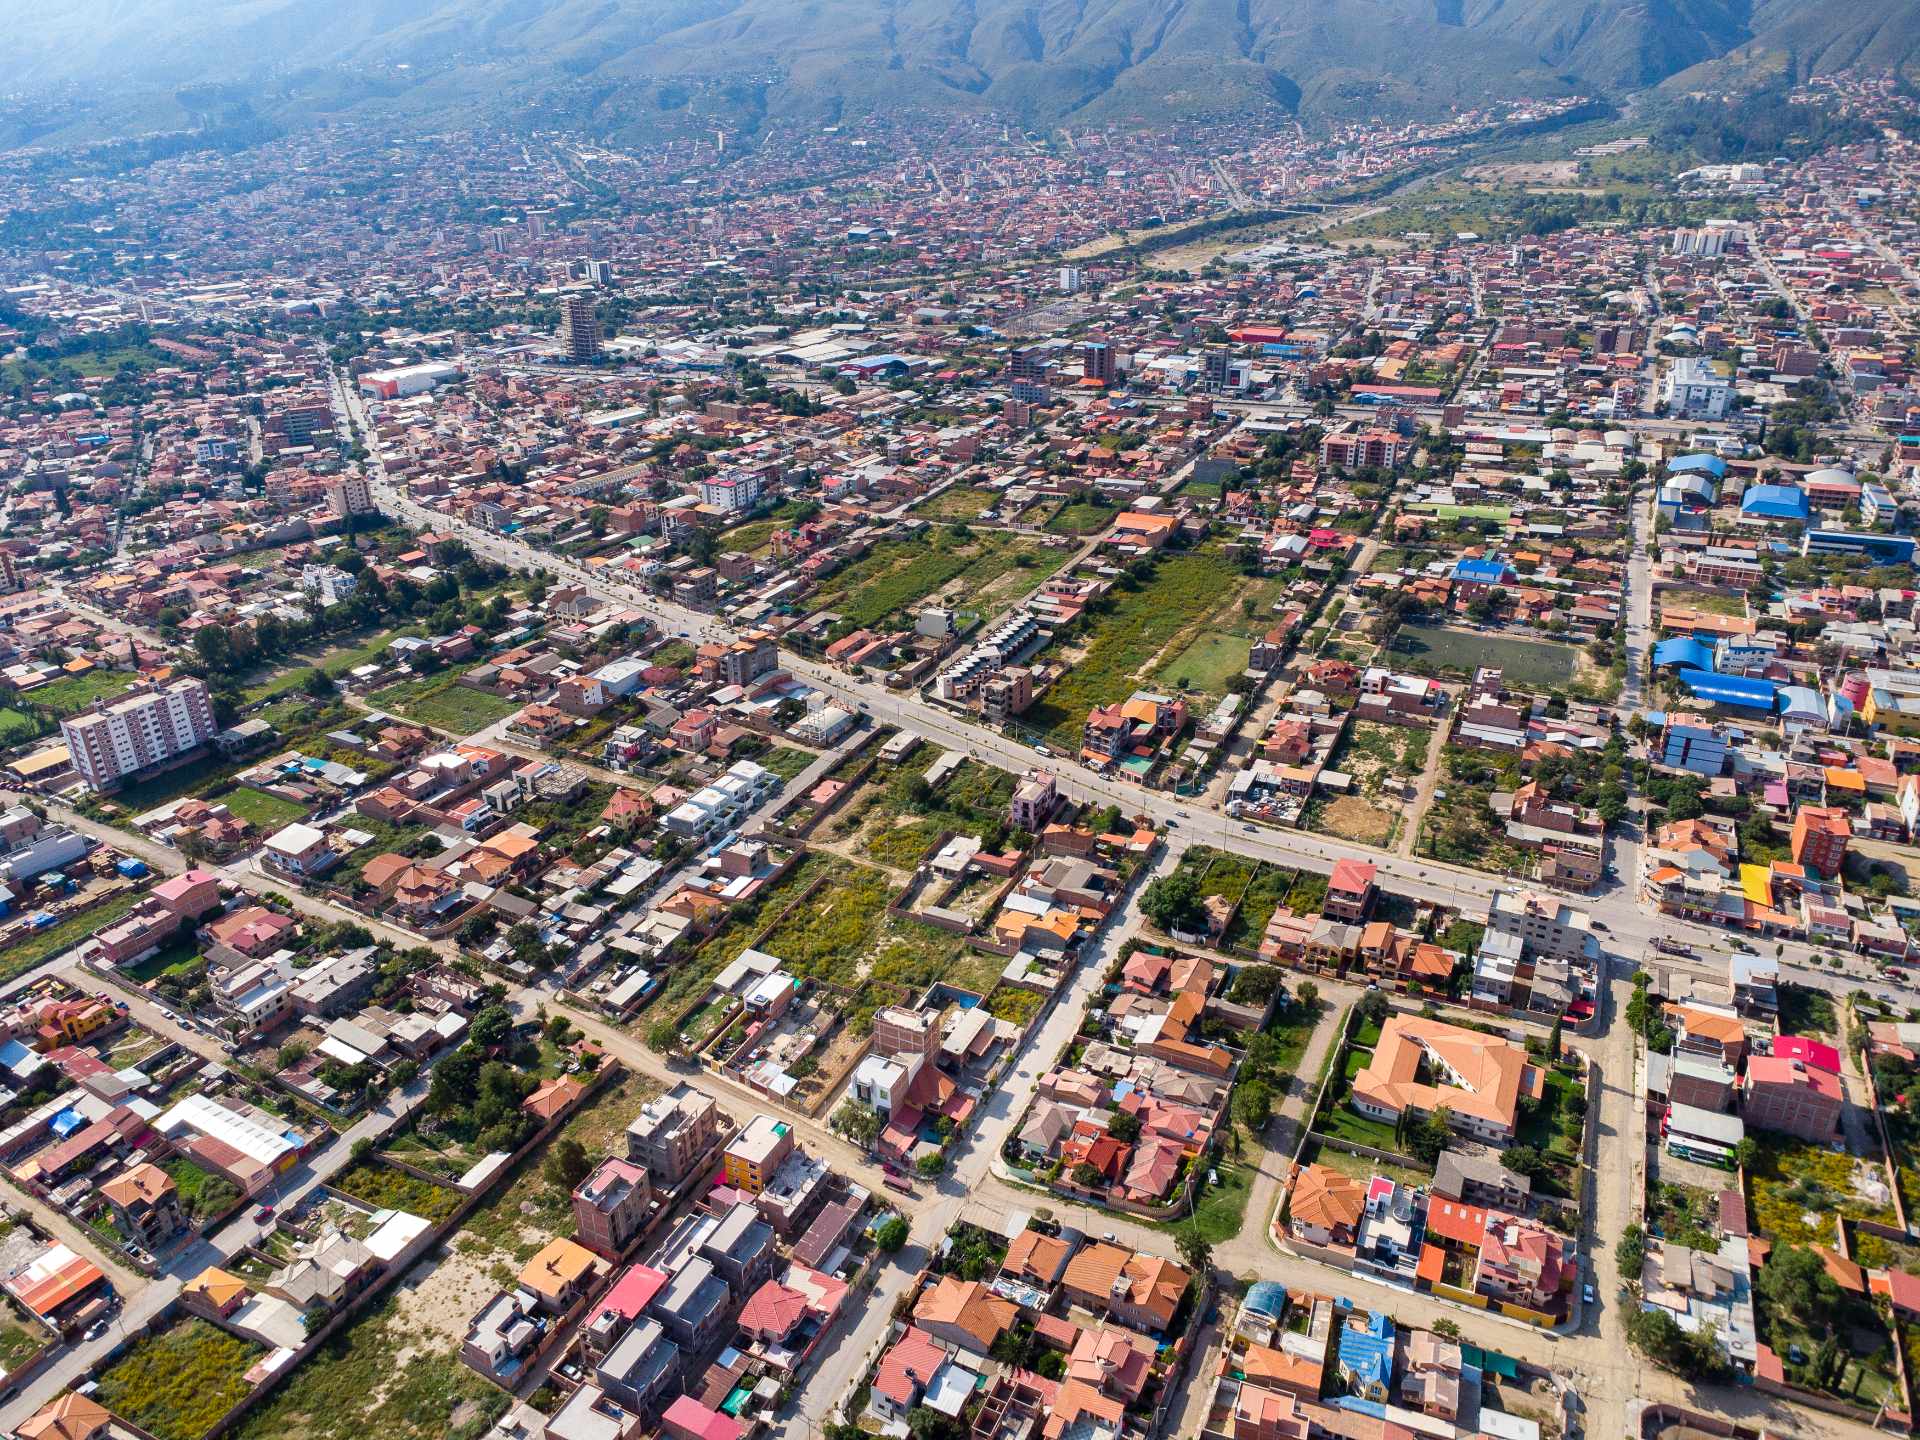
pixel 1047 59
pixel 1790 35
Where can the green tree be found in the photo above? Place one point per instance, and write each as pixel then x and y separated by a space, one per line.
pixel 891 1235
pixel 1196 1252
pixel 567 1163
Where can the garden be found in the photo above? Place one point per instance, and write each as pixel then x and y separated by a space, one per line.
pixel 177 1383
pixel 1828 1339
pixel 1460 828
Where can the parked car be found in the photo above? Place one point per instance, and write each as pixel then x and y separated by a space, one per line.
pixel 263 1214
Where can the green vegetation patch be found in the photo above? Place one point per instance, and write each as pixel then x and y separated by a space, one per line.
pixel 1143 622
pixel 177 1383
pixel 386 1188
pixel 73 694
pixel 1526 662
pixel 20 956
pixel 351 1389
pixel 268 812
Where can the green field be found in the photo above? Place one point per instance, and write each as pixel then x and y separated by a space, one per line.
pixel 176 1384
pixel 1080 517
pixel 1525 662
pixel 74 693
pixel 20 956
pixel 1208 663
pixel 16 728
pixel 897 574
pixel 959 502
pixel 1185 588
pixel 335 661
pixel 444 703
pixel 268 812
pixel 351 1388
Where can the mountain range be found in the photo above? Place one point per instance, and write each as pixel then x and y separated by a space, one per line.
pixel 628 66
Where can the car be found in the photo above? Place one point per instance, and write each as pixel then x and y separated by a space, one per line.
pixel 1251 829
pixel 263 1214
pixel 1586 1293
pixel 1173 824
pixel 1601 926
pixel 95 1330
pixel 1042 750
pixel 1108 1237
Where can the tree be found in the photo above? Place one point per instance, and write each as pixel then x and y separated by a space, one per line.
pixel 1427 1137
pixel 1631 1253
pixel 1254 1100
pixel 404 1073
pixel 1196 1253
pixel 1307 993
pixel 858 1123
pixel 491 1026
pixel 1553 1040
pixel 891 1235
pixel 1523 1160
pixel 1088 1177
pixel 1796 1283
pixel 567 1163
pixel 292 1053
pixel 932 1163
pixel 1172 902
pixel 1124 1125
pixel 1256 984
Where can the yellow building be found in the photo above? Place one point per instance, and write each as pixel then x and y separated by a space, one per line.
pixel 756 1152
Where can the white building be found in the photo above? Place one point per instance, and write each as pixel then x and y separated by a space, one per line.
pixel 144 729
pixel 1695 390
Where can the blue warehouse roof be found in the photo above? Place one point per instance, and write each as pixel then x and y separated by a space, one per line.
pixel 1482 572
pixel 1741 690
pixel 1710 464
pixel 1684 651
pixel 1775 502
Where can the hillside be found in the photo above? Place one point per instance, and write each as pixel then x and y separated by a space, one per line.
pixel 625 65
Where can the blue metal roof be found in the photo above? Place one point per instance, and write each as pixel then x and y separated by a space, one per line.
pixel 1777 502
pixel 1483 572
pixel 1712 464
pixel 1741 690
pixel 1684 651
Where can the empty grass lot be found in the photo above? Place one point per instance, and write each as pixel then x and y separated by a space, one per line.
pixel 19 956
pixel 177 1383
pixel 1183 591
pixel 268 812
pixel 443 703
pixel 71 695
pixel 1525 662
pixel 898 574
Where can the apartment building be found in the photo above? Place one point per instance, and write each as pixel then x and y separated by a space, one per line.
pixel 671 1134
pixel 140 730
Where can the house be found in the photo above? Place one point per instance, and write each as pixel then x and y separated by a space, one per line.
pixel 145 1204
pixel 610 1207
pixel 1350 891
pixel 913 1366
pixel 964 1313
pixel 1326 1206
pixel 1791 1096
pixel 560 1275
pixel 1138 1290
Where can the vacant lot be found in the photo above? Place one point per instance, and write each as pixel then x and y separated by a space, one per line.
pixel 984 571
pixel 20 956
pixel 71 695
pixel 1526 662
pixel 177 1383
pixel 1168 610
pixel 268 812
pixel 442 702
pixel 959 502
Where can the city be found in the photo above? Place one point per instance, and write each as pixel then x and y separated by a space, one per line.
pixel 925 776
